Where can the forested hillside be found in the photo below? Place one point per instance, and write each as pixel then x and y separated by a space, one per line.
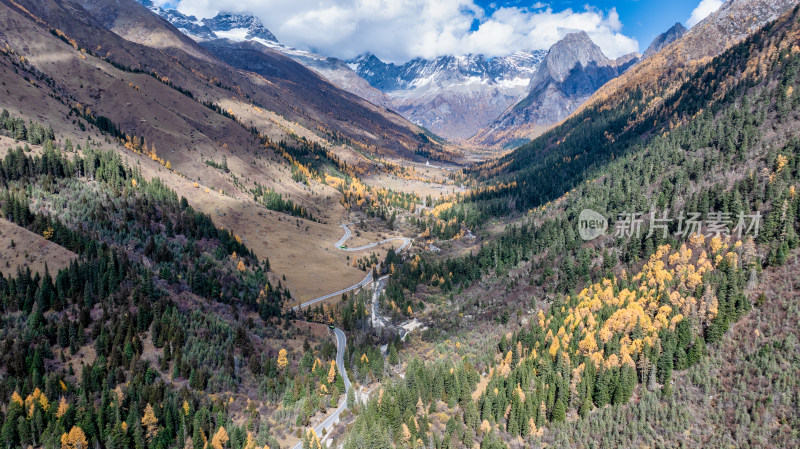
pixel 623 315
pixel 162 333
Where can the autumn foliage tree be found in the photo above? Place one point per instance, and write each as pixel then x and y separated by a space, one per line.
pixel 332 373
pixel 150 423
pixel 311 440
pixel 282 360
pixel 63 406
pixel 220 438
pixel 75 439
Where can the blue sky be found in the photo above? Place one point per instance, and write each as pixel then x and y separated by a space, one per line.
pixel 399 30
pixel 641 19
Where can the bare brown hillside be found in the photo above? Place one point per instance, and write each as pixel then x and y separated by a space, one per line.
pixel 22 249
pixel 48 79
pixel 127 34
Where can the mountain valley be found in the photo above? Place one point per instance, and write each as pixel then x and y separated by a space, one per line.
pixel 212 239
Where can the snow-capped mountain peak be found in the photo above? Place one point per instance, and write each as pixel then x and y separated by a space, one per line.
pixel 236 27
pixel 447 69
pixel 188 25
pixel 225 23
pixel 453 96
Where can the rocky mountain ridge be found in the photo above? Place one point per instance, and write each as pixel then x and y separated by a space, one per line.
pixel 453 96
pixel 574 68
pixel 662 40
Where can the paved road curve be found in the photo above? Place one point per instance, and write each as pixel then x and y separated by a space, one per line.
pixel 341 343
pixel 367 279
pixel 341 339
pixel 348 233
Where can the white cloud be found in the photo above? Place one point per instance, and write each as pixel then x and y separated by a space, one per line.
pixel 702 11
pixel 399 30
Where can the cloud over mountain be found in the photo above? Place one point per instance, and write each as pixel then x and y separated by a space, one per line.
pixel 399 30
pixel 703 9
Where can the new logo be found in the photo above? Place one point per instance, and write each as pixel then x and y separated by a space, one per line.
pixel 591 224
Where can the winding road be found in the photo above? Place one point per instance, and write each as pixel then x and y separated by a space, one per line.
pixel 326 425
pixel 341 340
pixel 348 233
pixel 367 279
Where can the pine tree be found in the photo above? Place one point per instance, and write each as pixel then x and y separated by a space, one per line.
pixel 513 426
pixel 393 356
pixel 471 417
pixel 600 395
pixel 559 411
pixel 63 332
pixel 651 378
pixel 586 406
pixel 8 434
pixel 198 437
pixel 351 399
pixel 625 385
pixel 24 430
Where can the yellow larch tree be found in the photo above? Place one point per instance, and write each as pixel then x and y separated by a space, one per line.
pixel 75 439
pixel 63 406
pixel 282 360
pixel 150 422
pixel 332 373
pixel 32 398
pixel 313 439
pixel 406 433
pixel 250 443
pixel 220 438
pixel 44 403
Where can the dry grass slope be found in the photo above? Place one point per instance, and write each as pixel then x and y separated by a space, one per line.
pixel 21 249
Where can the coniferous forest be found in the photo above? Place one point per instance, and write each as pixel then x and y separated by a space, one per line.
pixel 161 309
